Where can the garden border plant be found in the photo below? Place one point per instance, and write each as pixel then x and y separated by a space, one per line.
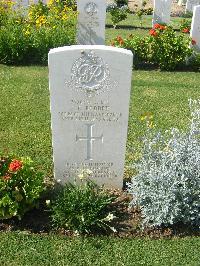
pixel 82 207
pixel 20 186
pixel 27 39
pixel 164 48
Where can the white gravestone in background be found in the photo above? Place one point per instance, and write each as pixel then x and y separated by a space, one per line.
pixel 90 91
pixel 195 28
pixel 191 4
pixel 91 22
pixel 162 11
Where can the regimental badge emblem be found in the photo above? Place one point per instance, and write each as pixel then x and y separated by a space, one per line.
pixel 90 74
pixel 91 9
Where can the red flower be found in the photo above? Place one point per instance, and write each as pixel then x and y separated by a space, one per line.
pixel 6 177
pixel 193 42
pixel 159 27
pixel 15 166
pixel 153 32
pixel 156 26
pixel 186 30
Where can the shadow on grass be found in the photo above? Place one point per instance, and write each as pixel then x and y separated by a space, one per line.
pixel 128 223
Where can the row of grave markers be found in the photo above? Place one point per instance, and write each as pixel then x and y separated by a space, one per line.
pixel 92 16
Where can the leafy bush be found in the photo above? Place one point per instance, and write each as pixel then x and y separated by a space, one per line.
pixel 185 26
pixel 120 3
pixel 20 186
pixel 26 36
pixel 117 13
pixel 167 185
pixel 163 48
pixel 82 207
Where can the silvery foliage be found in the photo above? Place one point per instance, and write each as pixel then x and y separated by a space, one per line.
pixel 167 186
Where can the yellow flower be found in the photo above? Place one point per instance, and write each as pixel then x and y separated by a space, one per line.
pixel 40 21
pixel 146 116
pixel 27 32
pixel 64 17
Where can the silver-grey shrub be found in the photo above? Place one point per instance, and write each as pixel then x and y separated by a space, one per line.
pixel 167 184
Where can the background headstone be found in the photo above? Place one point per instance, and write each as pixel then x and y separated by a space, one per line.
pixel 90 90
pixel 190 4
pixel 161 11
pixel 195 28
pixel 91 22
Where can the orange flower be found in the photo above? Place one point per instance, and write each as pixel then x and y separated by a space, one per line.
pixel 186 30
pixel 193 42
pixel 163 27
pixel 120 40
pixel 15 166
pixel 153 32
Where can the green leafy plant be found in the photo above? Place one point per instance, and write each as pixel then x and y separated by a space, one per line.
pixel 27 36
pixel 120 3
pixel 20 186
pixel 185 26
pixel 82 207
pixel 118 14
pixel 163 48
pixel 142 11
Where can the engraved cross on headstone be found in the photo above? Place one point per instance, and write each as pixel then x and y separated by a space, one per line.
pixel 90 139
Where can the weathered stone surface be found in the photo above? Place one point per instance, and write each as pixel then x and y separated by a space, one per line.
pixel 90 89
pixel 91 22
pixel 195 28
pixel 161 11
pixel 190 4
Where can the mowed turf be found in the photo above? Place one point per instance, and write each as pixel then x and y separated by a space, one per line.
pixel 19 249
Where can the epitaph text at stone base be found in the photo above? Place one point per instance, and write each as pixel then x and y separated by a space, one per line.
pixel 90 91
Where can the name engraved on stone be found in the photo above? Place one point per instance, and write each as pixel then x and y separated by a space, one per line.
pixel 90 139
pixel 90 74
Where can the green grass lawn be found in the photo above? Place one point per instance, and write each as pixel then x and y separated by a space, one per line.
pixel 25 130
pixel 19 249
pixel 132 26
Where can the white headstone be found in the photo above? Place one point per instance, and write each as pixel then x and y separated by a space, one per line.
pixel 195 28
pixel 91 22
pixel 162 11
pixel 190 4
pixel 89 91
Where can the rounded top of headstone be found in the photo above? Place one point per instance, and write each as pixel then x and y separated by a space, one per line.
pixel 90 47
